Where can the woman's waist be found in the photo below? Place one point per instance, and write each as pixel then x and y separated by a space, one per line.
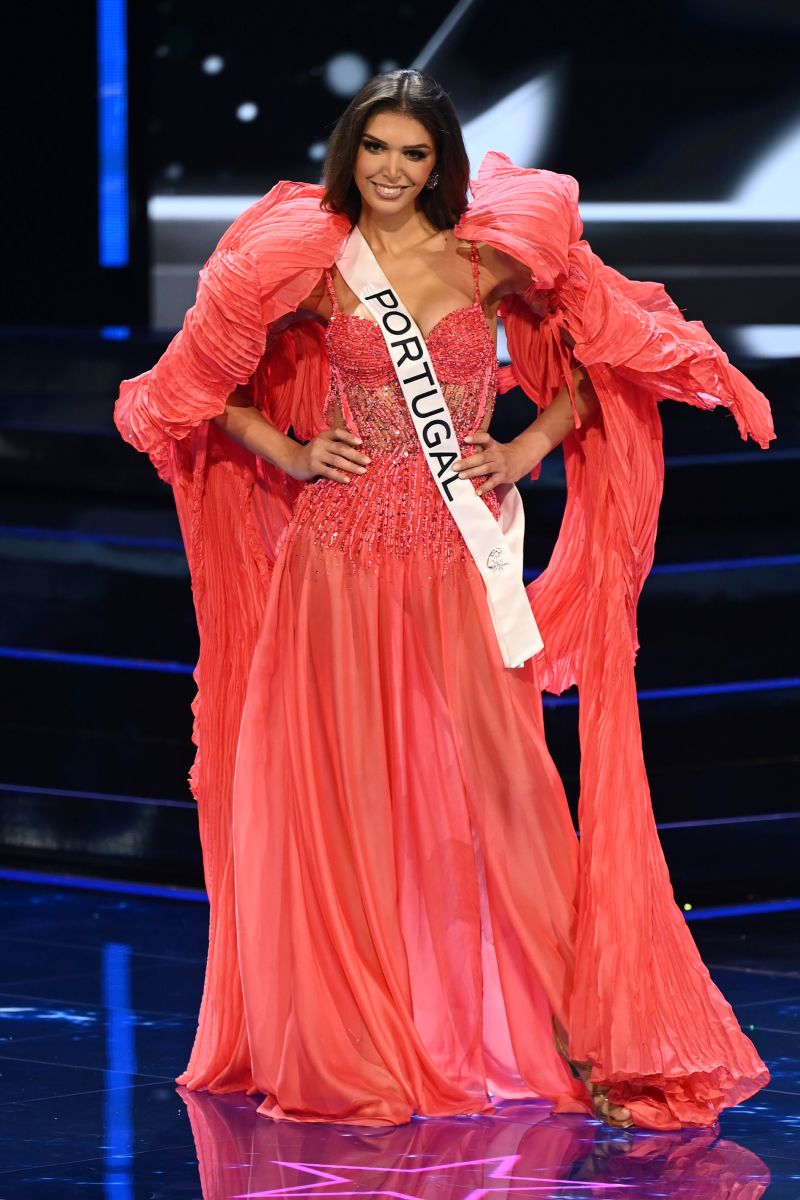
pixel 392 471
pixel 380 417
pixel 395 507
pixel 398 440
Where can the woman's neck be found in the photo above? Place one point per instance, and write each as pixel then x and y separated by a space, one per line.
pixel 393 234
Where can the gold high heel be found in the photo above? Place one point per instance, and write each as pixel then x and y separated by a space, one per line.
pixel 600 1101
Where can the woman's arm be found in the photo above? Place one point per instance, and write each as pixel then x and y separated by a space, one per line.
pixel 506 462
pixel 333 453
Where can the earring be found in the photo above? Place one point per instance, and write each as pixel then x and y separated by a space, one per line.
pixel 433 179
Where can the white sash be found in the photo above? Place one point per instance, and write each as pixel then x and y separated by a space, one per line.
pixel 495 546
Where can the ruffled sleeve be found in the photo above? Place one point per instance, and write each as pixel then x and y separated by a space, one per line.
pixel 644 1012
pixel 218 348
pixel 527 213
pixel 582 311
pixel 265 264
pixel 635 328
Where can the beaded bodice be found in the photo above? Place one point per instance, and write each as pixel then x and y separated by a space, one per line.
pixel 395 505
pixel 365 386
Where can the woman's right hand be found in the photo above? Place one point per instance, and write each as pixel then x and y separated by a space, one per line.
pixel 333 454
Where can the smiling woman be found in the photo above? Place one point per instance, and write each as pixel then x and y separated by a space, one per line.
pixel 402 918
pixel 392 169
pixel 422 139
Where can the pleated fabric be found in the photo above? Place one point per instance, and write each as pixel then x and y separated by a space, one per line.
pixel 405 859
pixel 676 1055
pixel 642 1008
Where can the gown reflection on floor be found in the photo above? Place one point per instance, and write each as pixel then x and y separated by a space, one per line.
pixel 98 994
pixel 520 1148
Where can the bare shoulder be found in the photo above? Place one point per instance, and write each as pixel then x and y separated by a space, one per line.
pixel 504 273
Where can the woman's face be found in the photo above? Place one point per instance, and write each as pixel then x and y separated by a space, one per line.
pixel 394 160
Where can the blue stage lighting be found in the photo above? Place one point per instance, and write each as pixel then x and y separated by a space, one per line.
pixel 112 134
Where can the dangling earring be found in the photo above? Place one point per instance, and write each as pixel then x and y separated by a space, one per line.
pixel 433 179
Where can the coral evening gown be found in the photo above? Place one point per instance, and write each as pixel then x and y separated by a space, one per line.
pixel 405 859
pixel 399 904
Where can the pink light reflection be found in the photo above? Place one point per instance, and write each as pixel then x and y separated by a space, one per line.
pixel 521 1148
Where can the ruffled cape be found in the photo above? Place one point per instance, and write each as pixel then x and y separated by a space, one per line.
pixel 644 1012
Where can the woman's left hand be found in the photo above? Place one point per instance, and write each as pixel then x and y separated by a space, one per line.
pixel 502 462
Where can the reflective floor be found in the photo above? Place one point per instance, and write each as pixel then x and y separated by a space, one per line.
pixel 98 996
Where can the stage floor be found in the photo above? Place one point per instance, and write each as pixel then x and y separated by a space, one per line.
pixel 98 997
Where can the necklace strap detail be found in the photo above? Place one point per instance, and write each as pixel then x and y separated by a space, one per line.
pixel 331 291
pixel 476 271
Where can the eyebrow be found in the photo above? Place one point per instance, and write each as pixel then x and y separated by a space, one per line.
pixel 417 146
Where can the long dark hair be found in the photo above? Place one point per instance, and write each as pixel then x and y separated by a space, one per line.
pixel 416 95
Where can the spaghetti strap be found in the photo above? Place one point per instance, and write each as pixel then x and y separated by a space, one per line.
pixel 331 291
pixel 476 271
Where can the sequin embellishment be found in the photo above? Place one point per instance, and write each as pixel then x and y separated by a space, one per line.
pixel 395 508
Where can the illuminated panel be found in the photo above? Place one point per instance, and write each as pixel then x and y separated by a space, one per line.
pixel 615 212
pixel 769 341
pixel 520 124
pixel 112 134
pixel 120 1071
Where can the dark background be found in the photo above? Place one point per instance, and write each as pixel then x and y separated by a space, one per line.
pixel 670 101
pixel 676 103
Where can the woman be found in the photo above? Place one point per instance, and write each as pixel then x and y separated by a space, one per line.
pixel 402 919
